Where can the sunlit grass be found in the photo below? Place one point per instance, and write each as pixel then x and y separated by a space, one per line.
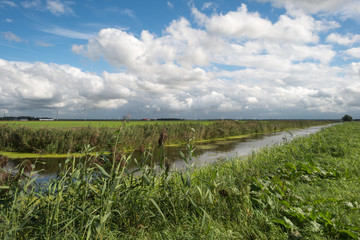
pixel 303 189
pixel 97 124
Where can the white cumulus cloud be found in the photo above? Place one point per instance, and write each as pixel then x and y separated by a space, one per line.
pixel 34 86
pixel 231 63
pixel 344 8
pixel 347 39
pixel 276 66
pixel 353 52
pixel 242 24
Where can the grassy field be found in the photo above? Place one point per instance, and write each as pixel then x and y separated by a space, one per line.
pixel 64 137
pixel 96 124
pixel 303 189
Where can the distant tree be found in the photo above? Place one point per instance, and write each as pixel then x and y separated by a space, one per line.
pixel 127 117
pixel 347 118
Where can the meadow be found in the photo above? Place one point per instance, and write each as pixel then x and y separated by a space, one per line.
pixel 62 137
pixel 303 189
pixel 96 124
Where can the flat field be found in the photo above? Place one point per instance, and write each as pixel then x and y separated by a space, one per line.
pixel 97 124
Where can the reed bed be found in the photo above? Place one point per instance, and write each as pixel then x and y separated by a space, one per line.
pixel 95 123
pixel 23 139
pixel 303 189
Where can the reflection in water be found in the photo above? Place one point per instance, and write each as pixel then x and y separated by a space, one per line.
pixel 206 153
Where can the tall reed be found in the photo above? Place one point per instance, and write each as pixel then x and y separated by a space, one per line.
pixel 17 138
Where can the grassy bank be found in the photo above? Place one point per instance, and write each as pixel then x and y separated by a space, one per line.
pixel 97 124
pixel 27 139
pixel 304 189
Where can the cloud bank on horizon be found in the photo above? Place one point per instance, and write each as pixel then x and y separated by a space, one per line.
pixel 204 59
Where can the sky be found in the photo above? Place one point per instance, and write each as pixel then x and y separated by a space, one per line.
pixel 192 59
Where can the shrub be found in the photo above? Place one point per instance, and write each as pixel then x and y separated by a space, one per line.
pixel 347 118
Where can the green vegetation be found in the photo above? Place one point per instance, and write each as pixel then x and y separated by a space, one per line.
pixel 16 155
pixel 61 139
pixel 303 189
pixel 347 118
pixel 97 124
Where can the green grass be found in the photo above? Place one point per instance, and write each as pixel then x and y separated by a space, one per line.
pixel 304 189
pixel 97 124
pixel 16 155
pixel 60 139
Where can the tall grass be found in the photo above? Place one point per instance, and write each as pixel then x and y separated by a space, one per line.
pixel 304 189
pixel 16 138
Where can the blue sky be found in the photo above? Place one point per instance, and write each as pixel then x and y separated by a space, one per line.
pixel 183 58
